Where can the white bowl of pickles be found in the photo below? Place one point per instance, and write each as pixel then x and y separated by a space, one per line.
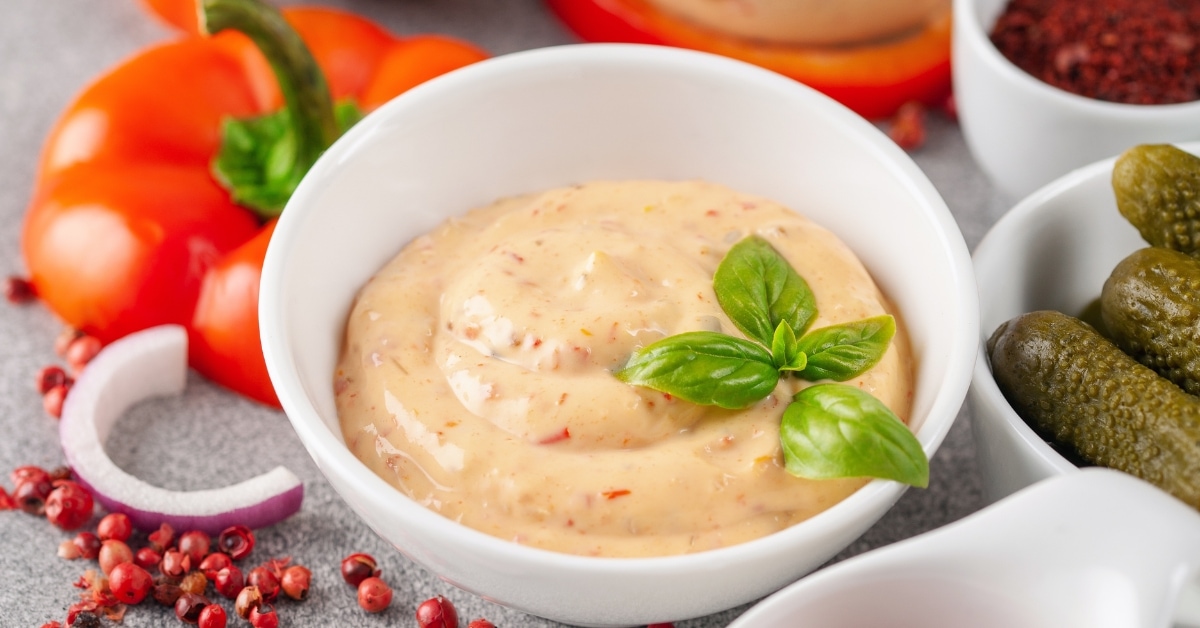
pixel 1049 394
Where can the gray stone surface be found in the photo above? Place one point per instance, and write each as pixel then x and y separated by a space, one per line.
pixel 49 49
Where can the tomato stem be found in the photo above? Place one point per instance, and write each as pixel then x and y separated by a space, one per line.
pixel 309 124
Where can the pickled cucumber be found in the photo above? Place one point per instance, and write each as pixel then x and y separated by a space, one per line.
pixel 1158 190
pixel 1077 388
pixel 1150 306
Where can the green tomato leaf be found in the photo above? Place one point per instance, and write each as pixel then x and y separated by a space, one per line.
pixel 838 431
pixel 759 289
pixel 704 367
pixel 840 352
pixel 785 350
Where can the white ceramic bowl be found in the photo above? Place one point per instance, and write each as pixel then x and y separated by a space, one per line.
pixel 1025 133
pixel 1053 250
pixel 558 116
pixel 1087 550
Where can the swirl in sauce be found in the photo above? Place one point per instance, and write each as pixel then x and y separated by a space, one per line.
pixel 476 374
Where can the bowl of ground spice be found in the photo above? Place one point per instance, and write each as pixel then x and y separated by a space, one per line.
pixel 1046 86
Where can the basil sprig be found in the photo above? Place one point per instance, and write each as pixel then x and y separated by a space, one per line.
pixel 829 430
pixel 705 367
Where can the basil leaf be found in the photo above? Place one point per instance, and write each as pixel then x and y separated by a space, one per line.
pixel 704 367
pixel 759 289
pixel 839 431
pixel 840 352
pixel 785 350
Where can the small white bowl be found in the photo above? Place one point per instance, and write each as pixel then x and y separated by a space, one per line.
pixel 1024 133
pixel 559 116
pixel 1092 549
pixel 1053 251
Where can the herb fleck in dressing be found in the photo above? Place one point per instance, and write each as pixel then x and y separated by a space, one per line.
pixel 477 374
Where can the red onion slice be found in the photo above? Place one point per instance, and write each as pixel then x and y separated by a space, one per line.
pixel 146 364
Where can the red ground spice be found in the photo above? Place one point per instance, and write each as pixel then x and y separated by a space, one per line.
pixel 1129 51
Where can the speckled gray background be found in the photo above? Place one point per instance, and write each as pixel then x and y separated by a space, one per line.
pixel 49 49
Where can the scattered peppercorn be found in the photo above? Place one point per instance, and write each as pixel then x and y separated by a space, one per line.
pixel 907 128
pixel 263 616
pixel 67 550
pixel 81 351
pixel 166 593
pixel 213 616
pixel 194 582
pixel 85 619
pixel 1141 52
pixel 358 567
pixel 237 541
pixel 175 564
pixel 18 290
pixel 48 377
pixel 437 612
pixel 147 558
pixel 195 544
pixel 264 578
pixel 64 340
pixel 69 505
pixel 189 606
pixel 31 489
pixel 295 582
pixel 129 583
pixel 88 544
pixel 59 473
pixel 113 553
pixel 53 400
pixel 229 581
pixel 160 539
pixel 248 599
pixel 374 595
pixel 114 525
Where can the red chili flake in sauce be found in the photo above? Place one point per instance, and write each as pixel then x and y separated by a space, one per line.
pixel 1142 52
pixel 557 437
pixel 621 492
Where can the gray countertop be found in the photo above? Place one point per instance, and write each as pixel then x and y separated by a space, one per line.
pixel 50 49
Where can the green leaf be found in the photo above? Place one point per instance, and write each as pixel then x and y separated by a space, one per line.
pixel 840 352
pixel 838 431
pixel 704 367
pixel 259 160
pixel 759 289
pixel 785 350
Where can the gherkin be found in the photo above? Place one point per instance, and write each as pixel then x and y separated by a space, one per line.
pixel 1157 187
pixel 1150 306
pixel 1079 389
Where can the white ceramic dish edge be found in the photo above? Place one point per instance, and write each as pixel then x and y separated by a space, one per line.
pixel 1029 241
pixel 1025 133
pixel 1094 549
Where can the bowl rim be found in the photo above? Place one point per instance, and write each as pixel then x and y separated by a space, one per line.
pixel 333 458
pixel 992 246
pixel 969 28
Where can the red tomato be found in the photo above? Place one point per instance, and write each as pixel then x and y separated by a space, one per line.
pixel 129 229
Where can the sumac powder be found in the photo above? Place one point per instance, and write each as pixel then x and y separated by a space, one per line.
pixel 1129 51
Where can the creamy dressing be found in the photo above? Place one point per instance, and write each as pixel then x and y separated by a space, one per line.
pixel 476 374
pixel 809 22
